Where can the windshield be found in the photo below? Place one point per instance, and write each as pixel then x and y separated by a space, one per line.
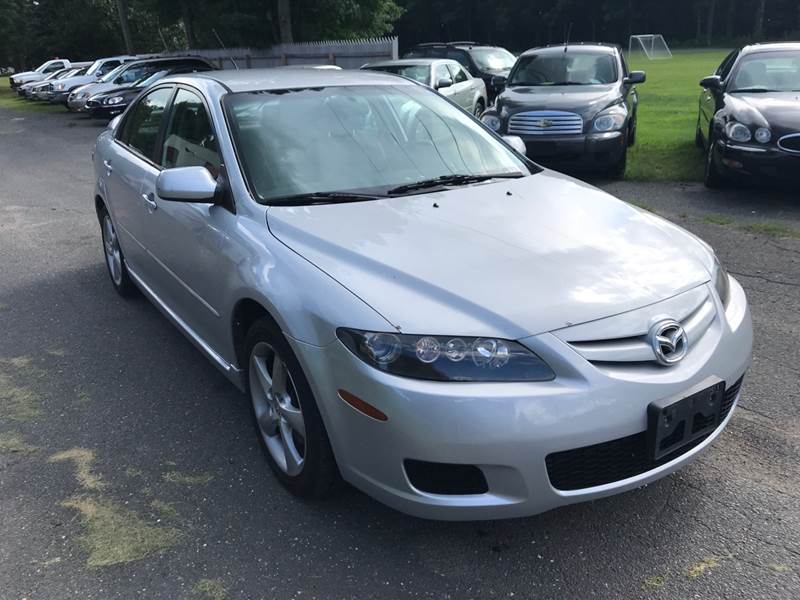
pixel 419 73
pixel 369 138
pixel 768 72
pixel 149 78
pixel 95 65
pixel 111 75
pixel 565 68
pixel 493 59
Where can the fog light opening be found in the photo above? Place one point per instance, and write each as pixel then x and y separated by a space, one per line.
pixel 445 478
pixel 732 164
pixel 362 406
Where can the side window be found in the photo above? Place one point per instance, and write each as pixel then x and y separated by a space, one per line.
pixel 189 140
pixel 141 127
pixel 107 67
pixel 725 68
pixel 459 75
pixel 441 72
pixel 54 67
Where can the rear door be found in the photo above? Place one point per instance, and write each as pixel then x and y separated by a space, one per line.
pixel 132 166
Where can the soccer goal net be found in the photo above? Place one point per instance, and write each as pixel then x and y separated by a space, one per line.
pixel 651 45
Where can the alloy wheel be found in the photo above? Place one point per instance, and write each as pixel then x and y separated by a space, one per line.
pixel 277 408
pixel 113 253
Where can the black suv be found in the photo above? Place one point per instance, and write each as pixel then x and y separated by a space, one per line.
pixel 481 61
pixel 573 106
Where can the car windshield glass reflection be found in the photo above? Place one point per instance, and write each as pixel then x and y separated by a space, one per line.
pixel 768 72
pixel 562 68
pixel 111 75
pixel 374 138
pixel 148 78
pixel 493 59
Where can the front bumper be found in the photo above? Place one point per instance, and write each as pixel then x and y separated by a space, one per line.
pixel 590 151
pixel 76 103
pixel 507 430
pixel 104 111
pixel 767 164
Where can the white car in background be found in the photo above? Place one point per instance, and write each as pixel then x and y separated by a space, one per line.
pixel 445 76
pixel 42 71
pixel 94 73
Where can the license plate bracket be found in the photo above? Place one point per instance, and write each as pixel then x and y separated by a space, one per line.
pixel 672 424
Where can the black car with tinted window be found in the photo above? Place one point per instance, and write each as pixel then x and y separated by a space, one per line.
pixel 574 106
pixel 748 121
pixel 481 61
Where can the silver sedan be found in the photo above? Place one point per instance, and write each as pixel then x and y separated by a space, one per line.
pixel 409 303
pixel 445 76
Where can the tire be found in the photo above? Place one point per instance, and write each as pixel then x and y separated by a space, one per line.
pixel 480 107
pixel 618 170
pixel 698 136
pixel 632 134
pixel 115 259
pixel 712 177
pixel 285 415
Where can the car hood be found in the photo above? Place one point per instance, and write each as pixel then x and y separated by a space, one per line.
pixel 586 101
pixel 92 89
pixel 781 110
pixel 24 75
pixel 510 258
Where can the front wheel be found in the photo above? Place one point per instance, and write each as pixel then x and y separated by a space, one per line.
pixel 618 170
pixel 480 107
pixel 287 420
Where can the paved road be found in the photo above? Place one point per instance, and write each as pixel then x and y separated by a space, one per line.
pixel 128 467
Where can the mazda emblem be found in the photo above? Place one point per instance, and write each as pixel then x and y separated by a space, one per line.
pixel 669 342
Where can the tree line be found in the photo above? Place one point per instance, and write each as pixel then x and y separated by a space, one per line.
pixel 34 30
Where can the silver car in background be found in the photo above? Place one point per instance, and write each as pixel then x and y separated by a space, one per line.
pixel 411 304
pixel 446 76
pixel 94 73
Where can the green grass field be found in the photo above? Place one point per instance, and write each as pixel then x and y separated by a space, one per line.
pixel 667 118
pixel 10 99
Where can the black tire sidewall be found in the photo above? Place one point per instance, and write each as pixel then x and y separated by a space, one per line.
pixel 319 474
pixel 125 288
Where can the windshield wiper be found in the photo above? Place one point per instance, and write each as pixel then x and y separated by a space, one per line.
pixel 445 180
pixel 322 198
pixel 568 83
pixel 753 90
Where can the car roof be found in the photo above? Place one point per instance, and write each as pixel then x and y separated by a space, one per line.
pixel 555 48
pixel 460 45
pixel 161 59
pixel 770 47
pixel 409 62
pixel 253 80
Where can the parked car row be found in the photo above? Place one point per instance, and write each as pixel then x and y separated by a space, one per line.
pixel 102 88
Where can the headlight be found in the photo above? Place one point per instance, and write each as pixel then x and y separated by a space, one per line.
pixel 59 86
pixel 721 281
pixel 114 100
pixel 737 132
pixel 611 119
pixel 446 358
pixel 763 135
pixel 493 122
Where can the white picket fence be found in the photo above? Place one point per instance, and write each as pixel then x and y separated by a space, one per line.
pixel 348 54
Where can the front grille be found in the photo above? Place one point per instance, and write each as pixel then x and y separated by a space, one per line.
pixel 618 459
pixel 545 122
pixel 790 143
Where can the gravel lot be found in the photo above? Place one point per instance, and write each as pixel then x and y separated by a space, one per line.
pixel 129 469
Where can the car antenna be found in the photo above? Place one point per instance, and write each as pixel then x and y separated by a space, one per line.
pixel 219 39
pixel 566 36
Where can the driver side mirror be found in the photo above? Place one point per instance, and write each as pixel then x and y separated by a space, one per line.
pixel 112 124
pixel 635 77
pixel 516 143
pixel 714 82
pixel 499 81
pixel 443 83
pixel 186 184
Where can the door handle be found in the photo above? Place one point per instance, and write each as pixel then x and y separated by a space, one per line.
pixel 150 199
pixel 107 164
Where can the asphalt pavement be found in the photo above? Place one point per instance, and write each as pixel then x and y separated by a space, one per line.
pixel 129 467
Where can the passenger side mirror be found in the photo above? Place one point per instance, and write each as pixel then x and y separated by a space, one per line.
pixel 635 77
pixel 186 184
pixel 516 143
pixel 443 83
pixel 499 81
pixel 714 82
